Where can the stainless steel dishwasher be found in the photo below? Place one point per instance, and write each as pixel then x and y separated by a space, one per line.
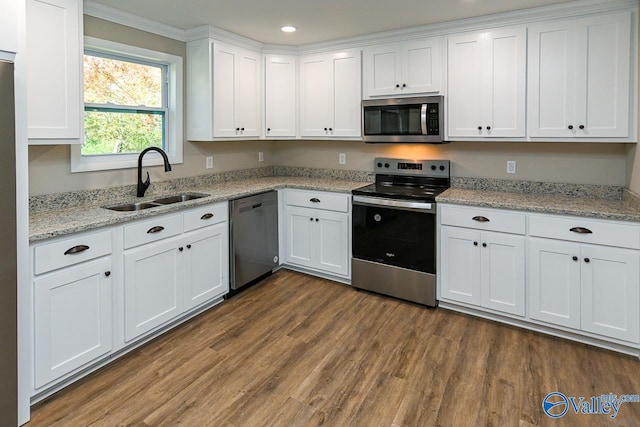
pixel 253 231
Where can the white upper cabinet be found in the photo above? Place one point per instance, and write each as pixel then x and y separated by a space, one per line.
pixel 330 94
pixel 487 84
pixel 223 91
pixel 9 26
pixel 54 71
pixel 280 104
pixel 398 69
pixel 579 77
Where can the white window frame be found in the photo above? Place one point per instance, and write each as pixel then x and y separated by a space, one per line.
pixel 174 136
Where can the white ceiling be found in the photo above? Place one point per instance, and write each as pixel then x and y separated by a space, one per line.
pixel 317 20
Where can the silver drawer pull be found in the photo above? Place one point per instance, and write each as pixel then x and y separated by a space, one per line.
pixel 580 230
pixel 156 229
pixel 314 200
pixel 480 218
pixel 76 249
pixel 206 216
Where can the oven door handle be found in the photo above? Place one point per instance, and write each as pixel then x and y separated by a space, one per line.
pixel 392 203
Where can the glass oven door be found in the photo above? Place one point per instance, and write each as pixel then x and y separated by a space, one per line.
pixel 391 235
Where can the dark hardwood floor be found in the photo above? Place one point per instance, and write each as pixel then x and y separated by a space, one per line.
pixel 301 351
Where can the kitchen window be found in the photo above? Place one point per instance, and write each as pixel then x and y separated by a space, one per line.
pixel 132 100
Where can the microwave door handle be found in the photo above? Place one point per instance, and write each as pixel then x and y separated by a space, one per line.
pixel 423 119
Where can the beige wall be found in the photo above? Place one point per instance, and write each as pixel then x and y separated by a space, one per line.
pixel 579 163
pixel 49 166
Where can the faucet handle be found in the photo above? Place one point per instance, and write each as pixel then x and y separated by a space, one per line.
pixel 147 182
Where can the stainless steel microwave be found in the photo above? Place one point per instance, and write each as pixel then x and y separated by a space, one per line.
pixel 404 120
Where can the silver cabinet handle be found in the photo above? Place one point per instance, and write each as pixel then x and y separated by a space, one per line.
pixel 155 229
pixel 314 200
pixel 480 219
pixel 76 249
pixel 206 216
pixel 580 230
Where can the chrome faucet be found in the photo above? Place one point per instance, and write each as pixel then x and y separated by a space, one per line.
pixel 142 186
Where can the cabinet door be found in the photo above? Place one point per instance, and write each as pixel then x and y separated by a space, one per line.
pixel 460 265
pixel 199 90
pixel 224 90
pixel 152 286
pixel 9 26
pixel 504 99
pixel 383 70
pixel 280 96
pixel 54 73
pixel 347 94
pixel 300 243
pixel 602 95
pixel 420 66
pixel 316 96
pixel 554 282
pixel 466 79
pixel 247 93
pixel 610 292
pixel 332 242
pixel 73 318
pixel 552 73
pixel 503 274
pixel 206 265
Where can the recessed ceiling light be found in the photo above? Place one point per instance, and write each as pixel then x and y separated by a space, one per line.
pixel 288 29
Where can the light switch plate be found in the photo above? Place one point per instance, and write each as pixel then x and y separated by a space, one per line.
pixel 511 166
pixel 209 162
pixel 260 156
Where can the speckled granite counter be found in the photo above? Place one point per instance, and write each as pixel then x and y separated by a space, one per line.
pixel 50 222
pixel 624 208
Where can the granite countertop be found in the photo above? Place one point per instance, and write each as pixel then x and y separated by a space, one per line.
pixel 47 223
pixel 624 208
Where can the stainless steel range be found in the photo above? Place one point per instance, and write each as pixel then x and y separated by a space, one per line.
pixel 394 229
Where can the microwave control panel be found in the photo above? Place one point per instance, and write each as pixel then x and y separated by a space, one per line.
pixel 433 119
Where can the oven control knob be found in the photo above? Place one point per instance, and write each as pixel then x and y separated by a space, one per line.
pixel 379 164
pixel 441 168
pixel 377 217
pixel 433 167
pixel 386 165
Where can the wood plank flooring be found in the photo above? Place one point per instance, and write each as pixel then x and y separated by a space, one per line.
pixel 301 351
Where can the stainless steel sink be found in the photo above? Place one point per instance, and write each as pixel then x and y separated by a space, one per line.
pixel 130 207
pixel 179 198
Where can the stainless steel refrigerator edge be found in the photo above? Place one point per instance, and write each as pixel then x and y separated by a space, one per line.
pixel 253 236
pixel 8 265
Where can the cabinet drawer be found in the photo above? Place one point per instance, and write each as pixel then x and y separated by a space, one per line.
pixel 152 230
pixel 71 251
pixel 483 219
pixel 205 216
pixel 318 200
pixel 585 231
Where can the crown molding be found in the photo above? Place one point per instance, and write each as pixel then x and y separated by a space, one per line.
pixel 209 31
pixel 111 14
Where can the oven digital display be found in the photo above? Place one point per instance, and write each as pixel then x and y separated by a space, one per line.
pixel 410 166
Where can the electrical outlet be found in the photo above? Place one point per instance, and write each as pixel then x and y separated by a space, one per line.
pixel 260 156
pixel 511 166
pixel 342 158
pixel 209 162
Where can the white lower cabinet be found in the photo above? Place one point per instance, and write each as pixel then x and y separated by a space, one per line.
pixel 484 269
pixel 585 287
pixel 318 238
pixel 72 311
pixel 206 265
pixel 85 308
pixel 73 319
pixel 570 276
pixel 152 286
